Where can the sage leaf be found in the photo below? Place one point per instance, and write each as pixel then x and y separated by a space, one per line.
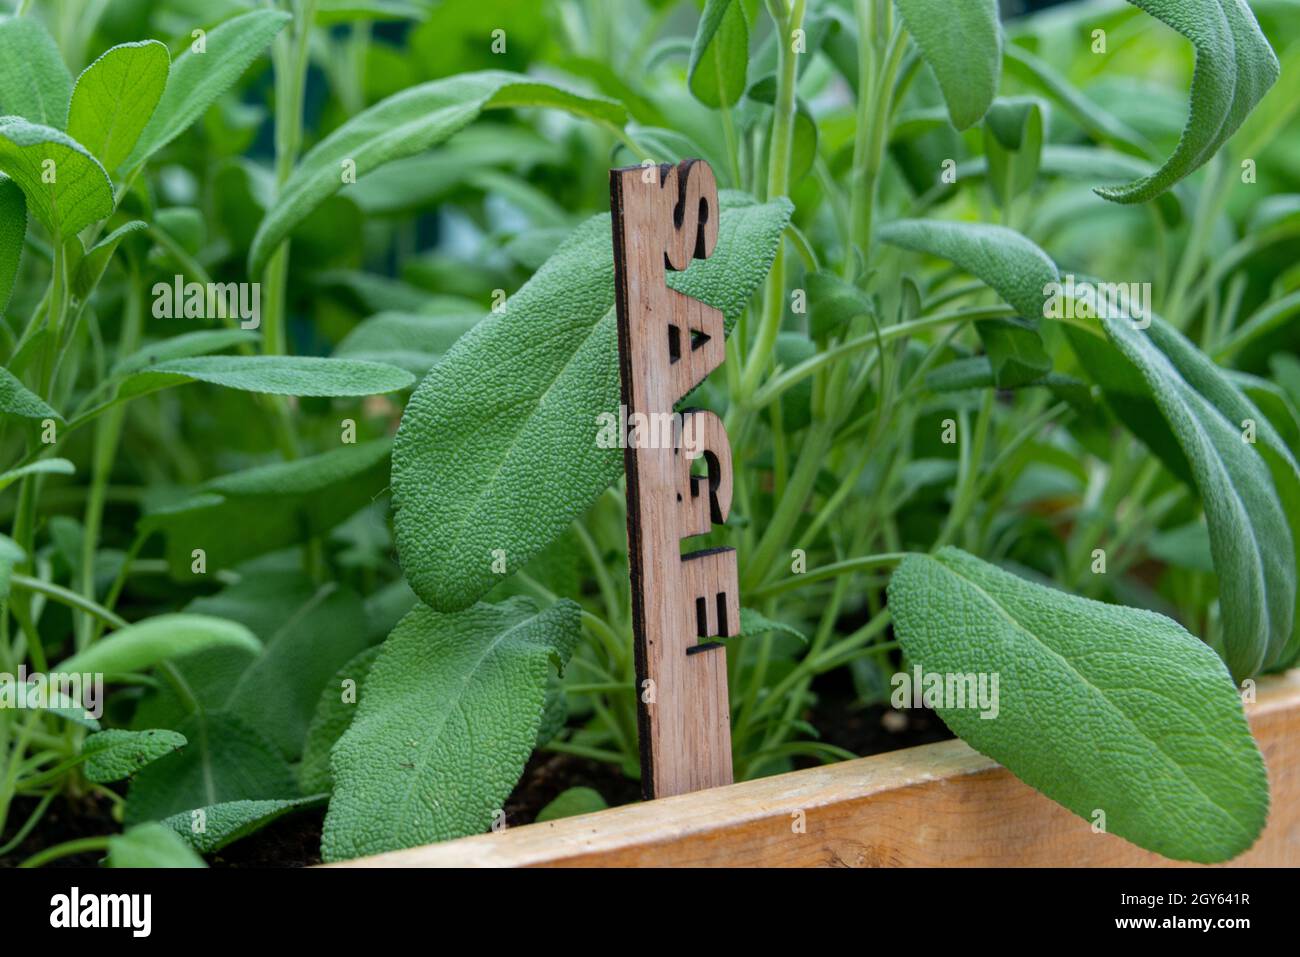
pixel 34 82
pixel 754 623
pixel 150 845
pixel 402 125
pixel 13 233
pixel 17 399
pixel 450 714
pixel 245 514
pixel 334 712
pixel 1235 67
pixel 115 97
pixel 163 637
pixel 10 555
pixel 116 754
pixel 39 467
pixel 1012 266
pixel 498 447
pixel 225 760
pixel 275 375
pixel 79 192
pixel 572 802
pixel 410 341
pixel 1100 707
pixel 197 79
pixel 962 43
pixel 209 829
pixel 720 54
pixel 92 265
pixel 184 346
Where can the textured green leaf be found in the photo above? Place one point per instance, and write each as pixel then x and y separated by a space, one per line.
pixel 277 695
pixel 17 399
pixel 962 43
pixel 1012 266
pixel 224 761
pixel 999 257
pixel 34 82
pixel 249 513
pixel 410 341
pixel 1100 707
pixel 754 623
pixel 150 845
pixel 10 555
pixel 276 375
pixel 116 754
pixel 1243 488
pixel 163 637
pixel 402 125
pixel 66 188
pixel 1013 145
pixel 720 54
pixel 209 829
pixel 1235 67
pixel 572 802
pixel 334 712
pixel 13 233
pixel 115 97
pixel 497 448
pixel 450 714
pixel 197 79
pixel 95 261
pixel 187 344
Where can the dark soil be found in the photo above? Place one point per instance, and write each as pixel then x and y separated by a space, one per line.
pixel 66 819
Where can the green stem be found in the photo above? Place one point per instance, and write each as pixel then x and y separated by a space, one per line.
pixel 81 845
pixel 67 597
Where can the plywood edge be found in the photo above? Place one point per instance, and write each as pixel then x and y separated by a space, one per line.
pixel 931 805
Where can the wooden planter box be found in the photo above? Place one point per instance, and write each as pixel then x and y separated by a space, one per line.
pixel 939 804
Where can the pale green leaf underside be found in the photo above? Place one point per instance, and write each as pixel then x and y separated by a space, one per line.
pixel 146 643
pixel 498 445
pixel 402 125
pixel 450 713
pixel 1100 707
pixel 277 375
pixel 1235 67
pixel 115 97
pixel 962 43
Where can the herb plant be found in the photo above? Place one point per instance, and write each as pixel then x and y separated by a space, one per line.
pixel 362 546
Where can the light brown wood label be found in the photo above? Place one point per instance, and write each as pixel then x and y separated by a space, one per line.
pixel 663 218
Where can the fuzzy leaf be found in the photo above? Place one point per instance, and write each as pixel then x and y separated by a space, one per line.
pixel 146 643
pixel 497 448
pixel 95 261
pixel 1099 706
pixel 116 754
pixel 197 79
pixel 571 802
pixel 186 345
pixel 450 714
pixel 408 340
pixel 402 125
pixel 34 82
pixel 13 233
pixel 66 188
pixel 962 43
pixel 333 715
pixel 754 623
pixel 224 761
pixel 720 54
pixel 276 375
pixel 222 824
pixel 1235 67
pixel 115 97
pixel 150 845
pixel 17 399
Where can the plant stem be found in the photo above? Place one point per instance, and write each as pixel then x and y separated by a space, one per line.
pixel 80 846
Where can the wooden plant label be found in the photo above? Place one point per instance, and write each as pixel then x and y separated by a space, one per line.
pixel 663 217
